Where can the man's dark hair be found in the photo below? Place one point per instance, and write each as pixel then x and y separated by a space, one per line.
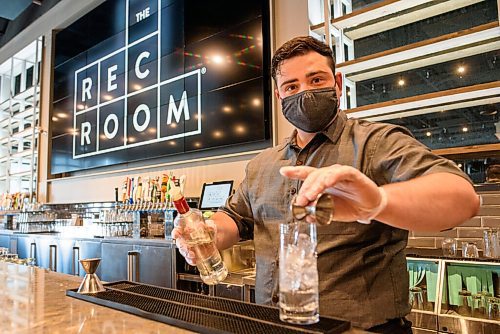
pixel 300 46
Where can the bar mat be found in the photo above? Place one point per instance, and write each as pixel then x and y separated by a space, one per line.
pixel 201 313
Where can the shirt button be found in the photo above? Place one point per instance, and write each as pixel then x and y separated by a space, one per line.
pixel 299 163
pixel 275 299
pixel 293 191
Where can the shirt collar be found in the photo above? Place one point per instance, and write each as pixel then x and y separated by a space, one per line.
pixel 332 132
pixel 335 129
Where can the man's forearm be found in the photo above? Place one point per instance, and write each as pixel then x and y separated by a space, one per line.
pixel 433 202
pixel 227 230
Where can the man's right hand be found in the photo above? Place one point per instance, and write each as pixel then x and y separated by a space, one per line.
pixel 178 233
pixel 181 234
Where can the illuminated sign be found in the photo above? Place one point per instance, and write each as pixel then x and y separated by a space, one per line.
pixel 120 100
pixel 169 80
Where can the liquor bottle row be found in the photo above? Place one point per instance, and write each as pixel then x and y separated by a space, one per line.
pixel 17 202
pixel 147 193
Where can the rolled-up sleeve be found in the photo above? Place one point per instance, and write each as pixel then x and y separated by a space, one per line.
pixel 238 207
pixel 397 156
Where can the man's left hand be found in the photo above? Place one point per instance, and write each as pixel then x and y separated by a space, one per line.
pixel 356 196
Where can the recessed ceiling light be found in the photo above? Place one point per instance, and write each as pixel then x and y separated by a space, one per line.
pixel 488 112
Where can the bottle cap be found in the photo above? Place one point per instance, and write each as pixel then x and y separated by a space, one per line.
pixel 180 202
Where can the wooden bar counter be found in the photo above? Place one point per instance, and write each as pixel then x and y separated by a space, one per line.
pixel 33 301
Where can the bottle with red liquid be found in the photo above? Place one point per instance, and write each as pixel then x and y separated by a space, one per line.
pixel 200 240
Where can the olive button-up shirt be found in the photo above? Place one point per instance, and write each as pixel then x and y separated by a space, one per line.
pixel 362 268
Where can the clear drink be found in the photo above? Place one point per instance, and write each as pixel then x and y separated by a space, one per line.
pixel 300 307
pixel 209 262
pixel 298 279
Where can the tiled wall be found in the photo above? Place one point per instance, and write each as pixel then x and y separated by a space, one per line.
pixel 471 230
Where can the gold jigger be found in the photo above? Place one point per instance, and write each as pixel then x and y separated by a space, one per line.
pixel 321 211
pixel 91 283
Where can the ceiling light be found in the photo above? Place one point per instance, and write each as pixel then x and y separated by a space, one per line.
pixel 217 59
pixel 401 82
pixel 465 129
pixel 461 69
pixel 428 133
pixel 256 102
pixel 227 109
pixel 488 112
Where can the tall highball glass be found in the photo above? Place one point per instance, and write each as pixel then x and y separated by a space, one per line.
pixel 298 273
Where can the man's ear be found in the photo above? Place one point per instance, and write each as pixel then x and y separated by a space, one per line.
pixel 338 81
pixel 277 94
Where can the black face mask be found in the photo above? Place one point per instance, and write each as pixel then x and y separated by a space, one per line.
pixel 311 110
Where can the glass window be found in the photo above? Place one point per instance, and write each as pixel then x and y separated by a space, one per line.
pixel 473 70
pixel 469 126
pixel 359 4
pixel 17 84
pixel 456 20
pixel 29 77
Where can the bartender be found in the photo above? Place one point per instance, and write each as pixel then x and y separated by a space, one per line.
pixel 378 174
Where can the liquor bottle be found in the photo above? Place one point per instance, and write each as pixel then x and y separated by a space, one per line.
pixel 209 261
